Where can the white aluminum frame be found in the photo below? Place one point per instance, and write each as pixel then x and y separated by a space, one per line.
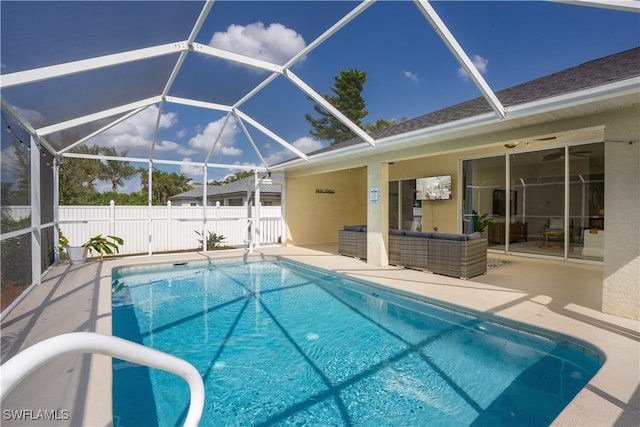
pixel 22 364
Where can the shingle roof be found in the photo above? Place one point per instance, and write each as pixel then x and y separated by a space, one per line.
pixel 590 74
pixel 236 187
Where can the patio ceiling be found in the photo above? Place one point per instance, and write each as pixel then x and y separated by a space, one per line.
pixel 89 78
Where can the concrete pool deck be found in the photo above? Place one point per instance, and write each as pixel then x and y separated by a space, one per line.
pixel 560 297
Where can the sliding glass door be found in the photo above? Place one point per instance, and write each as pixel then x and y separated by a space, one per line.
pixel 548 202
pixel 586 200
pixel 483 182
pixel 405 211
pixel 537 181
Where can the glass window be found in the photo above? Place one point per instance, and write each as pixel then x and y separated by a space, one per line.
pixel 586 200
pixel 531 211
pixel 405 211
pixel 393 205
pixel 411 209
pixel 537 183
pixel 483 183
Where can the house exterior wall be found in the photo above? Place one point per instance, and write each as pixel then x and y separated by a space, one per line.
pixel 319 205
pixel 265 199
pixel 621 281
pixel 440 214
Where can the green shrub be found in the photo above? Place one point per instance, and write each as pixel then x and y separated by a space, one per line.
pixel 213 240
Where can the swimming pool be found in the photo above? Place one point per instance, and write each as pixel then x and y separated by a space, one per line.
pixel 279 343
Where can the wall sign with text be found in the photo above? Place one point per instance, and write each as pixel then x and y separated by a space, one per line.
pixel 325 191
pixel 374 195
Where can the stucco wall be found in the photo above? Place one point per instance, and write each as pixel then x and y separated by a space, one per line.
pixel 319 205
pixel 440 214
pixel 621 285
pixel 315 219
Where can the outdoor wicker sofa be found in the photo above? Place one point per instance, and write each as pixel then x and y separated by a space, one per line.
pixel 352 241
pixel 456 255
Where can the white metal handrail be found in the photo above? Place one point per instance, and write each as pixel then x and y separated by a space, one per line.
pixel 28 360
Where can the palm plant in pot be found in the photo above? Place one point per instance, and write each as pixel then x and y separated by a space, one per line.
pixel 480 222
pixel 109 245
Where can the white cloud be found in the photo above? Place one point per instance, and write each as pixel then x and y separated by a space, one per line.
pixel 173 147
pixel 192 171
pixel 275 43
pixel 133 185
pixel 135 134
pixel 305 144
pixel 34 117
pixel 479 62
pixel 225 146
pixel 412 77
pixel 10 162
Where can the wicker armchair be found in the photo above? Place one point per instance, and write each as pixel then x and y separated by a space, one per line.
pixel 458 259
pixel 352 241
pixel 455 255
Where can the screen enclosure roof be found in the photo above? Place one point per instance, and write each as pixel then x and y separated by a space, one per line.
pixel 227 84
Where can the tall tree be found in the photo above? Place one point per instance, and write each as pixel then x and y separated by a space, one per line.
pixel 116 171
pixel 164 185
pixel 381 124
pixel 232 178
pixel 77 176
pixel 348 100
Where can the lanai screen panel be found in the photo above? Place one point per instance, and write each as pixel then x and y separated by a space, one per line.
pixel 53 33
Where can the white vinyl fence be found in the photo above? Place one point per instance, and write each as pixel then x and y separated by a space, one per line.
pixel 168 228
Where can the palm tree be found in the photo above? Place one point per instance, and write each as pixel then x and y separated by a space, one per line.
pixel 165 185
pixel 114 170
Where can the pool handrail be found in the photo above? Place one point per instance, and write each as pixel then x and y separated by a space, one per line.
pixel 28 360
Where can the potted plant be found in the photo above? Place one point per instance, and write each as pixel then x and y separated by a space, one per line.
pixel 480 222
pixel 76 254
pixel 104 245
pixel 101 245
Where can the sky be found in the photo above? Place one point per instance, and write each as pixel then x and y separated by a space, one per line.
pixel 410 72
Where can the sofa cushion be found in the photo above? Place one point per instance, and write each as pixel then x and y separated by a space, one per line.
pixel 395 232
pixel 474 236
pixel 422 234
pixel 450 236
pixel 353 227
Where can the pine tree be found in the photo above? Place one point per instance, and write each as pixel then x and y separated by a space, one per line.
pixel 348 100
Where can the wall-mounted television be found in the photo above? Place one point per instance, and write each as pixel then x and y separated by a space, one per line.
pixel 433 188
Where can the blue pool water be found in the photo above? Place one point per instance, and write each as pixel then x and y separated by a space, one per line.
pixel 277 343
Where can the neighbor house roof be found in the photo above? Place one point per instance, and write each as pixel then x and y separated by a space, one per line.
pixel 238 187
pixel 592 74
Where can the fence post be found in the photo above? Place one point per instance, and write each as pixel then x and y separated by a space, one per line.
pixel 112 218
pixel 169 224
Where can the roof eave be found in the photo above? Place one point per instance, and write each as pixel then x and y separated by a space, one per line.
pixel 591 97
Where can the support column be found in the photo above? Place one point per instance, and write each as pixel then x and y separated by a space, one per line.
pixel 621 270
pixel 150 208
pixel 204 208
pixel 36 226
pixel 378 214
pixel 56 209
